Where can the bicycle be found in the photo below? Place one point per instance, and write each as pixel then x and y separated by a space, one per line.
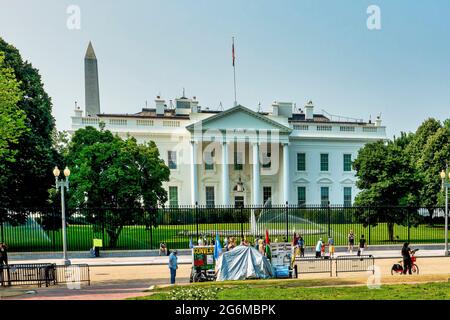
pixel 399 268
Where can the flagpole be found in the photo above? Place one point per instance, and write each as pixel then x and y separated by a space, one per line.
pixel 234 76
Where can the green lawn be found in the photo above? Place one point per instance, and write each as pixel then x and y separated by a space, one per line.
pixel 301 290
pixel 32 238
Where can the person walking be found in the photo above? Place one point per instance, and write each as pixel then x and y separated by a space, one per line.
pixel 173 265
pixel 319 248
pixel 362 245
pixel 351 241
pixel 407 262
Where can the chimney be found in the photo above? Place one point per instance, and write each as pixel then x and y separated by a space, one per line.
pixel 160 106
pixel 378 121
pixel 309 111
pixel 78 111
pixel 285 109
pixel 194 105
pixel 275 108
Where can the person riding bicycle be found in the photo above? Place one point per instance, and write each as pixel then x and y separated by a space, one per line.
pixel 406 254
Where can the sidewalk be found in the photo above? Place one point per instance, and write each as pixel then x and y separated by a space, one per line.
pixel 184 256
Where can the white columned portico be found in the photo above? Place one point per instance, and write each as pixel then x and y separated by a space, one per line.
pixel 256 177
pixel 225 175
pixel 286 172
pixel 194 184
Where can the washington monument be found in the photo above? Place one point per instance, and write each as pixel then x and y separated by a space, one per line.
pixel 91 89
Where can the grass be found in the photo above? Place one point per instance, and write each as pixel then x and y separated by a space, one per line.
pixel 26 238
pixel 311 290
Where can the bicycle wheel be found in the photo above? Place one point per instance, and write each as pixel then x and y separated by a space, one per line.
pixel 415 269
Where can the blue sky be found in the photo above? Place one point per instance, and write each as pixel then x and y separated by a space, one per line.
pixel 286 51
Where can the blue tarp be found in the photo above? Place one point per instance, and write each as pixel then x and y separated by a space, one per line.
pixel 243 262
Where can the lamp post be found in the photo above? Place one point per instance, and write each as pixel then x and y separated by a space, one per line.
pixel 445 176
pixel 61 184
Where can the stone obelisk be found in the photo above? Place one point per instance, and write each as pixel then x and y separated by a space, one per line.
pixel 91 89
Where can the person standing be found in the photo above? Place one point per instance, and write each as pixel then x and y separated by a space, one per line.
pixel 331 246
pixel 301 245
pixel 351 241
pixel 3 254
pixel 4 262
pixel 362 245
pixel 407 262
pixel 319 248
pixel 173 265
pixel 225 243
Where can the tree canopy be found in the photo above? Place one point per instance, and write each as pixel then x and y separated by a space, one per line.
pixel 109 172
pixel 12 119
pixel 28 178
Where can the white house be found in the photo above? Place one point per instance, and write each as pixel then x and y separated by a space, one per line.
pixel 241 156
pixel 300 157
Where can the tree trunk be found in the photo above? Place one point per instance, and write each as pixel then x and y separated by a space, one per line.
pixel 391 231
pixel 431 212
pixel 114 236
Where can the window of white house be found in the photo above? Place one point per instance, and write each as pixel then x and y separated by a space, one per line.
pixel 347 196
pixel 172 159
pixel 301 162
pixel 324 196
pixel 173 196
pixel 347 162
pixel 210 203
pixel 301 196
pixel 267 194
pixel 209 160
pixel 324 162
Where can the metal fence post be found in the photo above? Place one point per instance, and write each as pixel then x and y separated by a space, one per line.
pixel 242 220
pixel 409 225
pixel 329 219
pixel 152 212
pixel 368 224
pixel 287 221
pixel 196 216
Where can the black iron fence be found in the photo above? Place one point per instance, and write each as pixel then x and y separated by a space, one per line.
pixel 39 229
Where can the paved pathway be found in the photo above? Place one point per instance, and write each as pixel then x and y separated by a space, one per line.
pixel 187 259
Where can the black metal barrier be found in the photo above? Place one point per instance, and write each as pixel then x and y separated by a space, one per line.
pixel 27 274
pixel 355 264
pixel 342 264
pixel 43 273
pixel 313 265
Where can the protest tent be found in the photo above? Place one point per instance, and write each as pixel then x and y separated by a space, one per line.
pixel 243 262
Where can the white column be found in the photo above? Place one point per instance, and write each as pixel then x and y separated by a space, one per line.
pixel 256 198
pixel 194 187
pixel 286 184
pixel 225 175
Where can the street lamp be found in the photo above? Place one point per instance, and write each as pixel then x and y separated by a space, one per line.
pixel 445 176
pixel 60 183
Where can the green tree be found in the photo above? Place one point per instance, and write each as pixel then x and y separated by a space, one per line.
pixel 386 179
pixel 119 177
pixel 436 153
pixel 28 179
pixel 12 119
pixel 422 150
